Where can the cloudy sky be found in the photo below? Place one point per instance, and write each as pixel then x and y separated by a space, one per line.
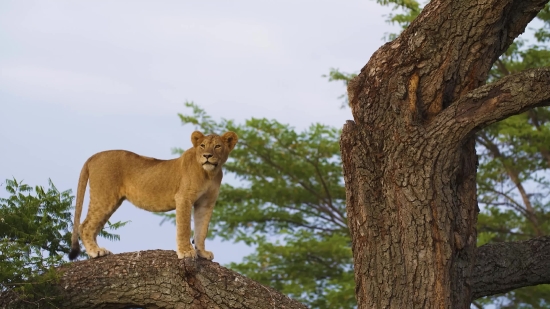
pixel 79 77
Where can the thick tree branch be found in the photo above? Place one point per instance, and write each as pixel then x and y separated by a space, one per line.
pixel 502 267
pixel 156 279
pixel 490 103
pixel 461 38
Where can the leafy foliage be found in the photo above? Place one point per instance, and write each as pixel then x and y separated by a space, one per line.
pixel 291 206
pixel 35 235
pixel 32 240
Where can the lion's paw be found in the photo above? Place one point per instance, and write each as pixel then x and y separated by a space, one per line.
pixel 99 252
pixel 205 254
pixel 187 254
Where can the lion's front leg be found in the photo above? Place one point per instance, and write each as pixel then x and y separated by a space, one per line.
pixel 183 228
pixel 202 215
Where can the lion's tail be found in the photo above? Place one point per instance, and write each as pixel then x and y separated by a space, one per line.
pixel 81 190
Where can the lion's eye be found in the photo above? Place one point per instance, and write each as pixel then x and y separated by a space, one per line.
pixel 218 146
pixel 202 145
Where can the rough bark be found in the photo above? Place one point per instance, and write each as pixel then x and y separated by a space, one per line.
pixel 502 267
pixel 155 279
pixel 409 156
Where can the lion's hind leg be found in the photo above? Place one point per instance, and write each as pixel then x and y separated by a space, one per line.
pixel 99 213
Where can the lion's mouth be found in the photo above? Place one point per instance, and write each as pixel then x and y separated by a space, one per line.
pixel 210 163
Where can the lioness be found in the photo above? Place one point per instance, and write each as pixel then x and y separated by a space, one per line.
pixel 192 180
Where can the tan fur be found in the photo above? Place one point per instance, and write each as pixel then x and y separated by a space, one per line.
pixel 192 180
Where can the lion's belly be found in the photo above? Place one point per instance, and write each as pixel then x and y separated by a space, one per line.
pixel 152 205
pixel 150 198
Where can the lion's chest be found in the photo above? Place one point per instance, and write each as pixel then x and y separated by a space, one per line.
pixel 198 193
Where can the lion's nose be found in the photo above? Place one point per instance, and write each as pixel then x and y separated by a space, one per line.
pixel 207 155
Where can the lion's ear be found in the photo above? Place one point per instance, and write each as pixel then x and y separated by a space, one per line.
pixel 230 139
pixel 196 137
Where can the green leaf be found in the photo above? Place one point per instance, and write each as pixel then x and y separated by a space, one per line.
pixel 35 236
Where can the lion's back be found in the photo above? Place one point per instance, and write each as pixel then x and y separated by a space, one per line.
pixel 147 182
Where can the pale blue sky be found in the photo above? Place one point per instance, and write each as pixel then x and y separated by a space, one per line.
pixel 79 77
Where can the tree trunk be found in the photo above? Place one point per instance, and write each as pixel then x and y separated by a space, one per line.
pixel 409 155
pixel 153 279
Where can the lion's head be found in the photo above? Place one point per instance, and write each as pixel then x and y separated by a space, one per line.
pixel 213 150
